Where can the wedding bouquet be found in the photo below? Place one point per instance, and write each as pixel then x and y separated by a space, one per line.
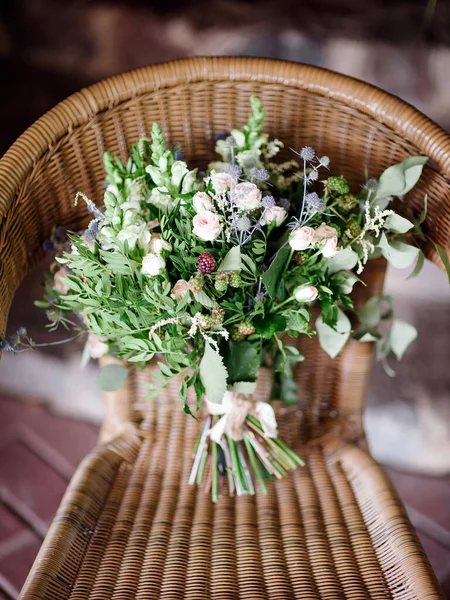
pixel 211 275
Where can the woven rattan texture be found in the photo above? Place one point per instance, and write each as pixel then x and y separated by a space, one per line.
pixel 130 526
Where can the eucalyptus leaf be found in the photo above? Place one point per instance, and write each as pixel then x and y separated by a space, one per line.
pixel 112 377
pixel 402 334
pixel 399 254
pixel 398 224
pixel 418 266
pixel 347 282
pixel 242 361
pixel 213 374
pixel 399 179
pixel 332 340
pixel 370 313
pixel 344 260
pixel 232 260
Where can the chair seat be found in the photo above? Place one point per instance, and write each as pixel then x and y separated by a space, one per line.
pixel 129 527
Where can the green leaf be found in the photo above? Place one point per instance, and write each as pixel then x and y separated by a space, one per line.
pixel 370 313
pixel 398 179
pixel 296 321
pixel 85 356
pixel 423 214
pixel 399 254
pixel 112 377
pixel 242 361
pixel 273 274
pixel 344 260
pixel 213 374
pixel 402 334
pixel 333 340
pixel 347 281
pixel 204 299
pixel 419 265
pixel 268 325
pixel 398 224
pixel 444 257
pixel 232 260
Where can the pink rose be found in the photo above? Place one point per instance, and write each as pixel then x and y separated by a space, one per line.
pixel 324 232
pixel 247 196
pixel 330 247
pixel 202 202
pixel 207 226
pixel 180 289
pixel 152 264
pixel 221 182
pixel 306 293
pixel 300 239
pixel 275 215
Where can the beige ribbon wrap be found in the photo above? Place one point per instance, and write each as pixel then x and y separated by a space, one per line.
pixel 234 410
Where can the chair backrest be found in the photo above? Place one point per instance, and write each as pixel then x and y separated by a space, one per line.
pixel 359 126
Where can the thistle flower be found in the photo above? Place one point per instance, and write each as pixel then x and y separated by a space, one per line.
pixel 231 141
pixel 314 203
pixel 371 184
pixel 235 171
pixel 307 153
pixel 268 202
pixel 284 203
pixel 243 223
pixel 259 175
pixel 313 175
pixel 324 161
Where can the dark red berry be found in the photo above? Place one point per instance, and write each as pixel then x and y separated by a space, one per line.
pixel 206 263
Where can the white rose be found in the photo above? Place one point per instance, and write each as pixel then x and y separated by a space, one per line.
pixel 106 238
pixel 306 293
pixel 202 202
pixel 135 235
pixel 152 264
pixel 221 182
pixel 330 247
pixel 324 232
pixel 96 346
pixel 207 226
pixel 59 281
pixel 157 244
pixel 180 289
pixel 300 239
pixel 275 215
pixel 247 196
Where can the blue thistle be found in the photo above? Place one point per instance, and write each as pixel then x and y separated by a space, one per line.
pixel 268 202
pixel 307 153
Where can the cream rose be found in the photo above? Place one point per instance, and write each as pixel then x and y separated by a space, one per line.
pixel 302 238
pixel 207 226
pixel 157 244
pixel 275 215
pixel 152 264
pixel 324 232
pixel 59 281
pixel 96 346
pixel 306 293
pixel 221 182
pixel 180 289
pixel 247 196
pixel 202 202
pixel 330 247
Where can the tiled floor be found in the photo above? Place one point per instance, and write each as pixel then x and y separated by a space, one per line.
pixel 39 453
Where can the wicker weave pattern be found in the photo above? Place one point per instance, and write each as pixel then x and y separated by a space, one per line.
pixel 129 526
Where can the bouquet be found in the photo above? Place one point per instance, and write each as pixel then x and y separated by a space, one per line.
pixel 213 275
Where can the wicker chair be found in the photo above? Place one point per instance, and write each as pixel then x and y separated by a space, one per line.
pixel 129 526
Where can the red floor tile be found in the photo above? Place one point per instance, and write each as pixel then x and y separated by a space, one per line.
pixel 31 480
pixel 15 566
pixel 9 524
